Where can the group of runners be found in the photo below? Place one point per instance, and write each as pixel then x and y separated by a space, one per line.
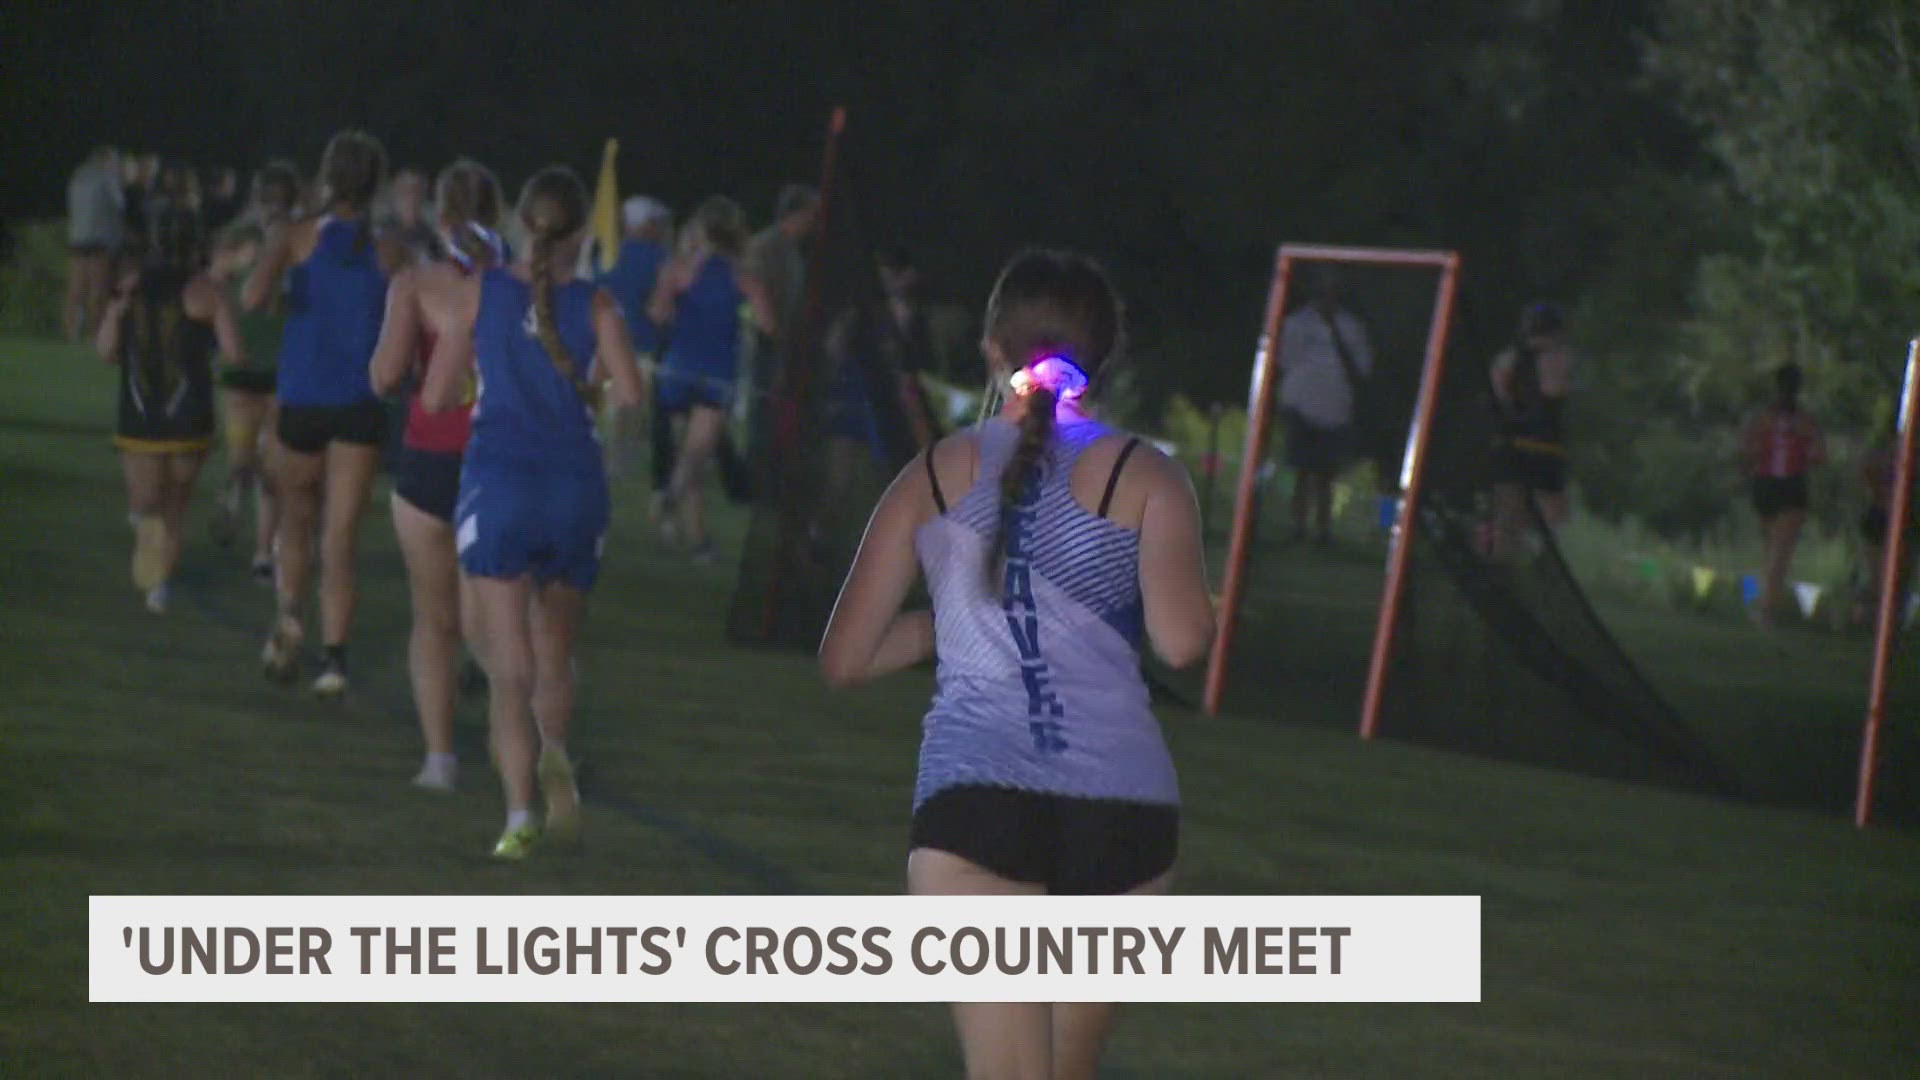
pixel 298 323
pixel 1053 548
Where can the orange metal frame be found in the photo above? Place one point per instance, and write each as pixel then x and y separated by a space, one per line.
pixel 1890 579
pixel 1266 364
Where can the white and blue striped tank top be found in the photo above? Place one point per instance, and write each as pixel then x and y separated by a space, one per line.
pixel 1039 683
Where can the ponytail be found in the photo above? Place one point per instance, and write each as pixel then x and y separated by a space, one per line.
pixel 150 346
pixel 553 207
pixel 1057 314
pixel 547 327
pixel 469 202
pixel 1023 471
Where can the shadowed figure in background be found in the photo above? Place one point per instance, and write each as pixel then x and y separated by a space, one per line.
pixel 1051 546
pixel 1782 445
pixel 96 229
pixel 701 292
pixel 1531 382
pixel 249 405
pixel 1325 359
pixel 647 227
pixel 877 413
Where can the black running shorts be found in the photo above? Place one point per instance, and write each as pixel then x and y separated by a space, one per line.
pixel 1071 846
pixel 430 481
pixel 1775 495
pixel 307 429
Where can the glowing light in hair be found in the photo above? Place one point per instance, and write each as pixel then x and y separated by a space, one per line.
pixel 1051 372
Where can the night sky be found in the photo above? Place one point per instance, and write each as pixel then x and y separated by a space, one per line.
pixel 1179 142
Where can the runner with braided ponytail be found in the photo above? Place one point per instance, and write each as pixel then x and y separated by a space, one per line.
pixel 1042 769
pixel 427 471
pixel 533 506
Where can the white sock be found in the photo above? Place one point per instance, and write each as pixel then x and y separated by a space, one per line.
pixel 439 770
pixel 519 819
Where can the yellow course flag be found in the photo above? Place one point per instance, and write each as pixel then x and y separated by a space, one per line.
pixel 604 223
pixel 1702 582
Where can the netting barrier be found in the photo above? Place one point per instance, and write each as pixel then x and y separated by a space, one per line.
pixel 1498 654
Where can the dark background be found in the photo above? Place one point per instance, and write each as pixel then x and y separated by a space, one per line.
pixel 1179 142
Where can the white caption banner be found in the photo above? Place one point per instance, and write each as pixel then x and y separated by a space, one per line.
pixel 784 948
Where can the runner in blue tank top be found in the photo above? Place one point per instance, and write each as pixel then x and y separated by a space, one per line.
pixel 533 505
pixel 701 292
pixel 648 226
pixel 1050 545
pixel 331 424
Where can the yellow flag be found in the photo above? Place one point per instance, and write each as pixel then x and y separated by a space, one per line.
pixel 1342 494
pixel 604 222
pixel 1702 582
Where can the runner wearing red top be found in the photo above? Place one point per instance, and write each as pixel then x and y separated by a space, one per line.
pixel 427 473
pixel 1782 445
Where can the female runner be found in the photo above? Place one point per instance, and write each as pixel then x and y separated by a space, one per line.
pixel 1783 445
pixel 1049 543
pixel 533 507
pixel 248 390
pixel 330 424
pixel 700 293
pixel 163 326
pixel 427 474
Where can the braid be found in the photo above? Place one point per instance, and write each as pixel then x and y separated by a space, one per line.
pixel 1022 472
pixel 553 207
pixel 1046 304
pixel 544 322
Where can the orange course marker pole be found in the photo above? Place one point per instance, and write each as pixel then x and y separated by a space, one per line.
pixel 1260 416
pixel 1890 577
pixel 1412 473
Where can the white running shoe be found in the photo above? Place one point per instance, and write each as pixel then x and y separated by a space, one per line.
pixel 332 681
pixel 434 777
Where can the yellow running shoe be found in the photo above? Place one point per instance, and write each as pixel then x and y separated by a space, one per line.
pixel 563 798
pixel 516 844
pixel 149 551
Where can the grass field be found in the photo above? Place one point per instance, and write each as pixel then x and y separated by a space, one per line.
pixel 1628 932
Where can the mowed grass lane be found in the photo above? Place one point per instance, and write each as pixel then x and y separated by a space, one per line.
pixel 1627 932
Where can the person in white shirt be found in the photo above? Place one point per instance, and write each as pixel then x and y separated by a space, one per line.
pixel 1325 359
pixel 96 229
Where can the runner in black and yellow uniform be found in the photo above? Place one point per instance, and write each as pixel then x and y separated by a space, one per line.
pixel 1531 383
pixel 166 322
